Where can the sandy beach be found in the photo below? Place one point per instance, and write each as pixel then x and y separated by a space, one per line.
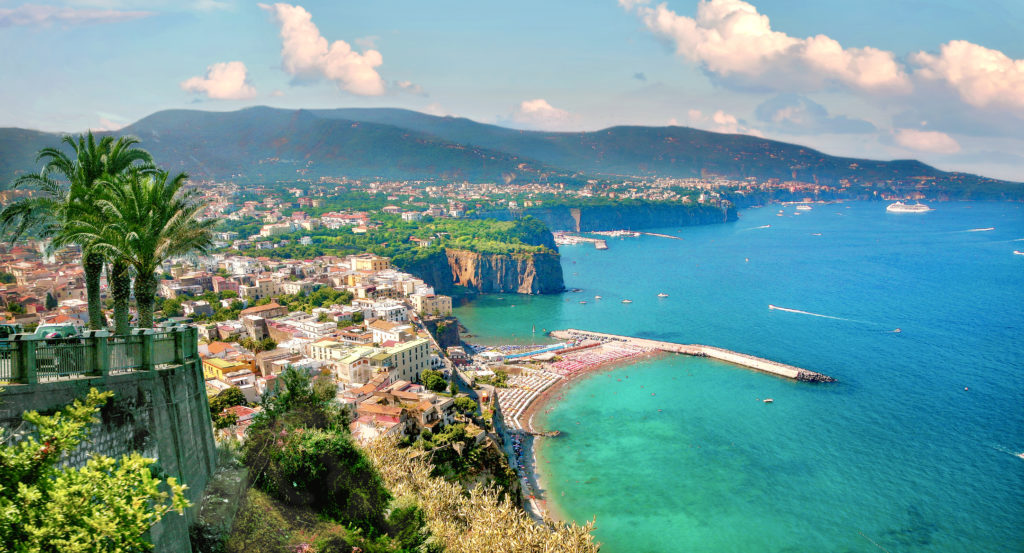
pixel 535 499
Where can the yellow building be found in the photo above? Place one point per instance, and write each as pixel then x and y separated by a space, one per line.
pixel 429 304
pixel 370 263
pixel 218 368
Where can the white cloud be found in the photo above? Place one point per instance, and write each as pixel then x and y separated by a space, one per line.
pixel 927 141
pixel 436 109
pixel 720 121
pixel 277 93
pixel 29 15
pixel 731 40
pixel 107 125
pixel 307 56
pixel 223 81
pixel 540 114
pixel 981 76
pixel 410 87
pixel 793 113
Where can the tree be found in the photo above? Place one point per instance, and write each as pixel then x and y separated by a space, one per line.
pixel 7 278
pixel 465 405
pixel 146 218
pixel 51 302
pixel 453 387
pixel 105 505
pixel 433 381
pixel 61 202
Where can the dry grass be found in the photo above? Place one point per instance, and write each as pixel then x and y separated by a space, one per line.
pixel 476 522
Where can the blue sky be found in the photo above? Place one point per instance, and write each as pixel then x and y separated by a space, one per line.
pixel 937 80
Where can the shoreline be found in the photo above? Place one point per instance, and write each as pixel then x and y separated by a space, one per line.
pixel 526 457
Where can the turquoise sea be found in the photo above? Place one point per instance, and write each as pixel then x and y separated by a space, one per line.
pixel 912 450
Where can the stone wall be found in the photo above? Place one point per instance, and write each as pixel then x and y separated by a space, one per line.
pixel 162 413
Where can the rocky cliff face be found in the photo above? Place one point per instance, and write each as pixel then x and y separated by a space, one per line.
pixel 523 274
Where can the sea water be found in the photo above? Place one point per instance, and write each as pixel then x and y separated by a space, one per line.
pixel 914 449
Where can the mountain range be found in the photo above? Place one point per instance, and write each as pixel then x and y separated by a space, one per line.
pixel 262 144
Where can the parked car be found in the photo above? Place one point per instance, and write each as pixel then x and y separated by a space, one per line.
pixel 52 331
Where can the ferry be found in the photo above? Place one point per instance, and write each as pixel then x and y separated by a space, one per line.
pixel 627 301
pixel 900 207
pixel 663 295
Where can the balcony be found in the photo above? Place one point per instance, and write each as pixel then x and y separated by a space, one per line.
pixel 28 360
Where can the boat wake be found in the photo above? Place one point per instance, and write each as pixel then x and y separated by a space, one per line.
pixel 1011 452
pixel 788 310
pixel 980 229
pixel 760 227
pixel 799 312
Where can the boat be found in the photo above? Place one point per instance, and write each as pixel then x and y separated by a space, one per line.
pixel 900 207
pixel 803 208
pixel 663 295
pixel 1018 252
pixel 583 302
pixel 769 400
pixel 597 297
pixel 627 301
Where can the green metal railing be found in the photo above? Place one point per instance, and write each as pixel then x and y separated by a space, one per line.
pixel 26 359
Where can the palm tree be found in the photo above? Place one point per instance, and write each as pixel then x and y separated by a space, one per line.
pixel 62 200
pixel 144 219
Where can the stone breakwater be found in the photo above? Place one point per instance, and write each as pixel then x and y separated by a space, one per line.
pixel 698 350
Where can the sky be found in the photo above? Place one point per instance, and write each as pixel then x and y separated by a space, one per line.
pixel 937 80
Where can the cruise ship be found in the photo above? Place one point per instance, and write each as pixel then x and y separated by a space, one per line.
pixel 900 207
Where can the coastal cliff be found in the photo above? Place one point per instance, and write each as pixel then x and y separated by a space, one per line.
pixel 539 273
pixel 611 217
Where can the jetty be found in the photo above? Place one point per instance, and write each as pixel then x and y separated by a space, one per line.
pixel 699 350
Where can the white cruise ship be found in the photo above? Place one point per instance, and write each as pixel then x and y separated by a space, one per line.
pixel 900 207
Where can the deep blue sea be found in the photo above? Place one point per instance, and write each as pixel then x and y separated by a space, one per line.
pixel 912 450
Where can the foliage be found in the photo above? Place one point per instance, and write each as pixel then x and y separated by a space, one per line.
pixel 499 380
pixel 433 380
pixel 6 278
pixel 477 521
pixel 465 405
pixel 299 451
pixel 51 302
pixel 66 191
pixel 257 346
pixel 106 505
pixel 227 398
pixel 144 218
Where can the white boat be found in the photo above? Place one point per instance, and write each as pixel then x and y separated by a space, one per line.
pixel 803 208
pixel 597 297
pixel 900 207
pixel 1018 252
pixel 627 301
pixel 769 400
pixel 663 295
pixel 583 302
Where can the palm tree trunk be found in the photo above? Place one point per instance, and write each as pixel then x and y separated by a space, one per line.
pixel 121 291
pixel 93 265
pixel 145 298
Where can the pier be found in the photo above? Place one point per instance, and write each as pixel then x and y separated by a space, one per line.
pixel 698 350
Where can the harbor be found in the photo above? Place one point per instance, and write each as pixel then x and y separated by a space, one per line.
pixel 698 350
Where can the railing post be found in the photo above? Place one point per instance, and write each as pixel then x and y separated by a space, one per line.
pixel 145 347
pixel 99 349
pixel 179 344
pixel 23 362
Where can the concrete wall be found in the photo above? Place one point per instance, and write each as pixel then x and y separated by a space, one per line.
pixel 162 413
